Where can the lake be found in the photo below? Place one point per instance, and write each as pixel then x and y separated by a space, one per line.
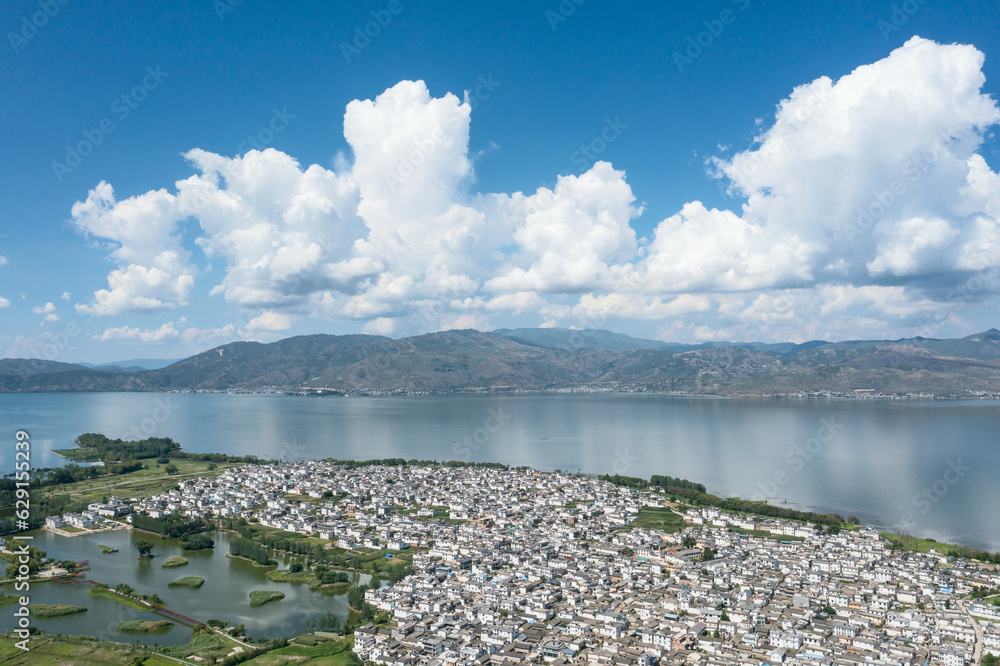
pixel 225 594
pixel 928 468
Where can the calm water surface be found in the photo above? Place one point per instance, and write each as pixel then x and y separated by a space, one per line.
pixel 225 594
pixel 925 467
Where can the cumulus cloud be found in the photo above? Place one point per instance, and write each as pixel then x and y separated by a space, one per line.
pixel 49 310
pixel 154 271
pixel 865 200
pixel 164 332
pixel 4 303
pixel 873 175
pixel 270 321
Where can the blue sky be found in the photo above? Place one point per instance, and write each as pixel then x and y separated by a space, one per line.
pixel 689 206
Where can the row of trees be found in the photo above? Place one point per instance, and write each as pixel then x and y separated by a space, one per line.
pixel 758 508
pixel 654 481
pixel 99 447
pixel 402 462
pixel 197 542
pixel 240 547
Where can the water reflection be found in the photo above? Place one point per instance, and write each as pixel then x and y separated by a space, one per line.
pixel 225 594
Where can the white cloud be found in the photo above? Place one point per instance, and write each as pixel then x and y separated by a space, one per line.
pixel 3 260
pixel 44 309
pixel 4 303
pixel 569 236
pixel 65 296
pixel 154 271
pixel 864 188
pixel 164 332
pixel 853 167
pixel 270 321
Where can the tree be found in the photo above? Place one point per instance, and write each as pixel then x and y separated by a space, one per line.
pixel 707 554
pixel 689 542
pixel 144 547
pixel 170 469
pixel 829 610
pixel 296 567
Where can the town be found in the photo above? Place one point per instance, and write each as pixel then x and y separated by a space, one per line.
pixel 518 566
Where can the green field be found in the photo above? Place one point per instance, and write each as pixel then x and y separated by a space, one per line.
pixel 194 582
pixel 46 650
pixel 917 544
pixel 172 562
pixel 140 483
pixel 145 627
pixel 207 644
pixel 261 597
pixel 664 520
pixel 45 611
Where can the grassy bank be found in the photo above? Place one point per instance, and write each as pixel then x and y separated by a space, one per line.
pixel 194 582
pixel 120 598
pixel 144 627
pixel 46 611
pixel 261 597
pixel 172 562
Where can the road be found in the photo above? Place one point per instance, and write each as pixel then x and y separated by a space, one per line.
pixel 978 653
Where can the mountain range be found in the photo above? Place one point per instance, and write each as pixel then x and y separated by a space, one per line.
pixel 544 358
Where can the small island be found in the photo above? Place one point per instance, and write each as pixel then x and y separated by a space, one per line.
pixel 107 549
pixel 145 627
pixel 46 611
pixel 261 597
pixel 174 561
pixel 193 582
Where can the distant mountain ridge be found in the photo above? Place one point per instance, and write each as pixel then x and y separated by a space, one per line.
pixel 567 339
pixel 539 359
